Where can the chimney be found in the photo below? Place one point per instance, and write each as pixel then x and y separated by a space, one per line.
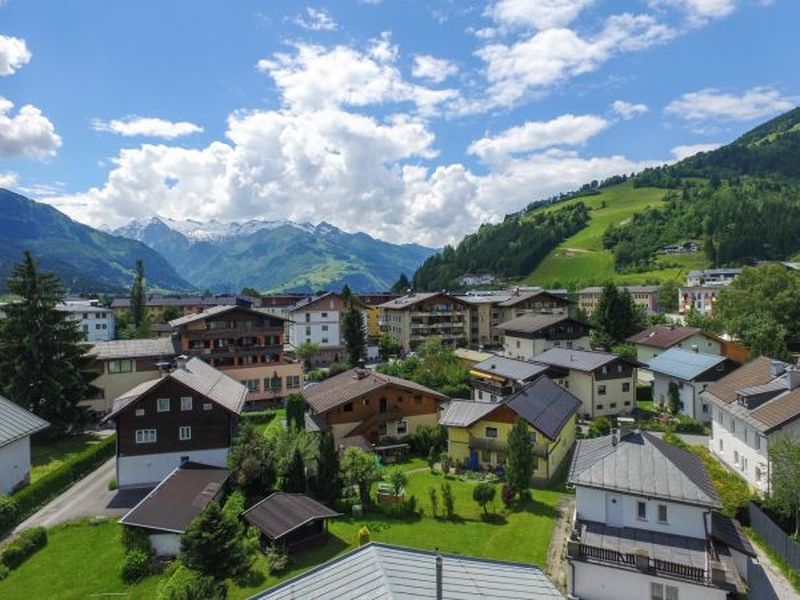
pixel 614 436
pixel 625 426
pixel 439 586
pixel 777 368
pixel 361 373
pixel 792 378
pixel 180 361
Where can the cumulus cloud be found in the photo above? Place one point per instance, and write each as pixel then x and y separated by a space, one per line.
pixel 687 150
pixel 146 126
pixel 316 19
pixel 8 179
pixel 628 110
pixel 538 14
pixel 712 104
pixel 14 54
pixel 699 12
pixel 28 133
pixel 566 130
pixel 432 68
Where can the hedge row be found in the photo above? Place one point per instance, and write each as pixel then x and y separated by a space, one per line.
pixel 18 551
pixel 260 417
pixel 30 498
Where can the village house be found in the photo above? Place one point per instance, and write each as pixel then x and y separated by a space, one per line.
pixel 318 319
pixel 645 525
pixel 166 512
pixel 363 407
pixel 689 373
pixel 247 344
pixel 531 334
pixel 17 425
pixel 189 414
pixel 93 321
pixel 604 382
pixel 654 340
pixel 417 317
pixel 724 276
pixel 389 572
pixel 477 432
pixel 497 377
pixel 123 364
pixel 644 296
pixel 752 407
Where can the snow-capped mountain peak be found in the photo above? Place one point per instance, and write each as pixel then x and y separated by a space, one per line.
pixel 210 231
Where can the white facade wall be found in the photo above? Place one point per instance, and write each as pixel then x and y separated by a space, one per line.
pixel 591 581
pixel 682 519
pixel 526 349
pixel 96 324
pixel 740 448
pixel 15 464
pixel 150 469
pixel 692 404
pixel 167 545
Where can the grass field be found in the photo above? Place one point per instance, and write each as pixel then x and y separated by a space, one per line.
pixel 47 455
pixel 95 553
pixel 582 258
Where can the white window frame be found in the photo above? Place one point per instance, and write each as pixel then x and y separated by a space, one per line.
pixel 665 509
pixel 160 406
pixel 139 412
pixel 404 425
pixel 207 406
pixel 185 433
pixel 146 436
pixel 186 403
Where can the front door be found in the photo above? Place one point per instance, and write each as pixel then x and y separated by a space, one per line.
pixel 383 405
pixel 613 510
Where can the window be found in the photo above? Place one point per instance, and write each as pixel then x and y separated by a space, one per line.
pixel 207 406
pixel 627 402
pixel 491 432
pixel 162 404
pixel 120 366
pixel 185 433
pixel 308 331
pixel 736 457
pixel 517 343
pixel 324 328
pixel 145 436
pixel 402 428
pixel 292 381
pixel 275 382
pixel 641 510
pixel 758 474
pixel 186 403
pixel 382 429
pixel 619 368
pixel 612 405
pixel 721 446
pixel 662 513
pixel 252 385
pixel 757 442
pixel 626 386
pixel 601 390
pixel 659 591
pixel 486 456
pixel 733 425
pixel 705 409
pixel 139 412
pixel 604 370
pixel 348 407
pixel 324 340
pixel 324 315
pixel 599 407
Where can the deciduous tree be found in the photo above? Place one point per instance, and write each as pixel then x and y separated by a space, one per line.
pixel 784 456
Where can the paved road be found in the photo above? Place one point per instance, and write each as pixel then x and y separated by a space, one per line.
pixel 89 497
pixel 766 580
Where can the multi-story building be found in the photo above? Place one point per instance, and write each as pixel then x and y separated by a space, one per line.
pixel 645 525
pixel 712 277
pixel 94 322
pixel 752 407
pixel 605 383
pixel 645 296
pixel 245 343
pixel 477 432
pixel 497 377
pixel 185 305
pixel 531 334
pixel 318 319
pixel 123 364
pixel 362 407
pixel 659 338
pixel 372 313
pixel 701 298
pixel 189 414
pixel 417 317
pixel 688 373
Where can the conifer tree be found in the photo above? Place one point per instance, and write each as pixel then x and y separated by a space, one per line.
pixel 519 450
pixel 138 302
pixel 295 479
pixel 353 329
pixel 296 411
pixel 215 544
pixel 328 486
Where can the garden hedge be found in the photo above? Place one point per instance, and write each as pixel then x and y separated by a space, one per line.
pixel 26 543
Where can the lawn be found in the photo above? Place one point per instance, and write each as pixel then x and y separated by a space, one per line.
pixel 582 258
pixel 47 455
pixel 520 535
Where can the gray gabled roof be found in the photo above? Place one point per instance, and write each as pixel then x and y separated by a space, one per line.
pixel 17 423
pixel 136 348
pixel 463 413
pixel 532 323
pixel 581 360
pixel 383 572
pixel 684 364
pixel 545 405
pixel 643 465
pixel 511 368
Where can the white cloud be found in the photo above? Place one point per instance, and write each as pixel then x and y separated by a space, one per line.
pixel 712 104
pixel 551 56
pixel 14 54
pixel 315 77
pixel 316 19
pixel 566 130
pixel 432 68
pixel 146 126
pixel 628 110
pixel 538 14
pixel 687 150
pixel 699 12
pixel 28 133
pixel 8 179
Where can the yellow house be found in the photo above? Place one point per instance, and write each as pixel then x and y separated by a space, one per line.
pixel 477 432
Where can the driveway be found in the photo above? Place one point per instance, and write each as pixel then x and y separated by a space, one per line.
pixel 89 497
pixel 766 580
pixel 693 439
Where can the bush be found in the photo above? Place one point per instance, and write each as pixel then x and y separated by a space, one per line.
pixel 599 427
pixel 112 484
pixel 337 367
pixel 315 375
pixel 277 559
pixel 261 417
pixel 133 539
pixel 26 544
pixel 448 500
pixel 4 571
pixel 234 505
pixel 32 497
pixel 136 566
pixel 8 514
pixel 185 584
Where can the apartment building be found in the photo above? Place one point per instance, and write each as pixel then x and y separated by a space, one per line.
pixel 186 305
pixel 417 317
pixel 645 296
pixel 371 303
pixel 752 407
pixel 657 339
pixel 318 319
pixel 531 334
pixel 94 322
pixel 245 343
pixel 712 276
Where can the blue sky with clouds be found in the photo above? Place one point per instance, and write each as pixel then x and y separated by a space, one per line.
pixel 411 120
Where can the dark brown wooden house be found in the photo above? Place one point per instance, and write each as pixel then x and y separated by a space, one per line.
pixel 295 520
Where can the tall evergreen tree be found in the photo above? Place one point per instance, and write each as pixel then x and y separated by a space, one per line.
pixel 43 365
pixel 296 411
pixel 328 486
pixel 353 329
pixel 252 463
pixel 215 544
pixel 402 285
pixel 519 453
pixel 138 301
pixel 615 318
pixel 295 479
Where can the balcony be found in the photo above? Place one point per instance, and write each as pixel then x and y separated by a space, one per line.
pixel 484 443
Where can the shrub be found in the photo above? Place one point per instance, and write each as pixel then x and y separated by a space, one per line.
pixel 434 499
pixel 8 514
pixel 28 542
pixel 185 584
pixel 234 505
pixel 261 417
pixel 133 538
pixel 112 484
pixel 135 566
pixel 337 367
pixel 4 571
pixel 446 462
pixel 483 494
pixel 599 427
pixel 277 559
pixel 448 500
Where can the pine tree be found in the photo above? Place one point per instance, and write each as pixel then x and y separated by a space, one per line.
pixel 296 411
pixel 252 463
pixel 328 488
pixel 215 544
pixel 402 285
pixel 615 318
pixel 520 458
pixel 43 365
pixel 295 479
pixel 138 302
pixel 353 329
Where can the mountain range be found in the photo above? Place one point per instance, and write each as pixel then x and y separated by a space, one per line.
pixel 275 255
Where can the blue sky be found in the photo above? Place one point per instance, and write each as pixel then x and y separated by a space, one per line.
pixel 411 120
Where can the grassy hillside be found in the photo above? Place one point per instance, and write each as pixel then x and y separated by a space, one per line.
pixel 582 258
